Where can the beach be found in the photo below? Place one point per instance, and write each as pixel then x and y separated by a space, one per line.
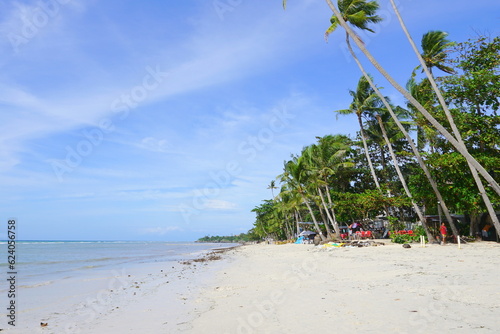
pixel 385 289
pixel 105 287
pixel 287 288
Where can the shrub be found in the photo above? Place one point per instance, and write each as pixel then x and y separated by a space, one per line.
pixel 408 238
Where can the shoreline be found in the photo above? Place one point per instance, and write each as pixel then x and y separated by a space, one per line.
pixel 123 299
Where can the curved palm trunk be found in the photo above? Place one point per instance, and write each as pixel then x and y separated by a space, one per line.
pixel 413 101
pixel 365 146
pixel 313 218
pixel 295 214
pixel 330 218
pixel 413 147
pixel 335 223
pixel 325 220
pixel 403 182
pixel 454 128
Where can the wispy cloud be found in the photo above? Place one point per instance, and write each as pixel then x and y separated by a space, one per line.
pixel 160 230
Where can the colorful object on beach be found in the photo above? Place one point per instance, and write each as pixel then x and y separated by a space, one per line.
pixel 332 244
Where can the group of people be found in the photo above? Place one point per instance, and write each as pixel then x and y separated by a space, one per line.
pixel 353 228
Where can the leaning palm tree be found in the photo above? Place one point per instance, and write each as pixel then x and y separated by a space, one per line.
pixel 359 14
pixel 435 48
pixel 375 135
pixel 324 160
pixel 364 100
pixel 402 179
pixel 295 178
pixel 460 148
pixel 427 136
pixel 439 59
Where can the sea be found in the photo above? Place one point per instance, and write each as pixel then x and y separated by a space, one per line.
pixel 42 261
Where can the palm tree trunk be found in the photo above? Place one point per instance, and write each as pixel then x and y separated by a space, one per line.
pixel 454 128
pixel 330 218
pixel 325 220
pixel 413 101
pixel 367 153
pixel 403 182
pixel 313 218
pixel 413 147
pixel 330 203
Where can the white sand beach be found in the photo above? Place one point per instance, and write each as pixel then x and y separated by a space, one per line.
pixel 284 289
pixel 385 289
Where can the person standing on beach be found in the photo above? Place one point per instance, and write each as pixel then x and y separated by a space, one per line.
pixel 444 232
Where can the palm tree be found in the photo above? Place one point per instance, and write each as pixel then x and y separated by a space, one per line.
pixel 375 135
pixel 364 100
pixel 272 186
pixel 474 166
pixel 402 179
pixel 460 148
pixel 291 202
pixel 324 160
pixel 359 14
pixel 435 47
pixel 422 92
pixel 295 178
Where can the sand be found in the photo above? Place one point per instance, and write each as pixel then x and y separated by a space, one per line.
pixel 143 298
pixel 283 289
pixel 385 289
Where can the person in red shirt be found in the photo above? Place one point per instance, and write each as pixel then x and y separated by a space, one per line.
pixel 444 232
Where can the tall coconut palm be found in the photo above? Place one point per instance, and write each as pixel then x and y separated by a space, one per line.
pixel 358 13
pixel 272 186
pixel 375 135
pixel 460 148
pixel 291 202
pixel 440 40
pixel 435 47
pixel 427 136
pixel 401 177
pixel 295 177
pixel 364 100
pixel 325 159
pixel 366 11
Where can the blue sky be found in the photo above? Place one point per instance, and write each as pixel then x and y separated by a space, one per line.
pixel 167 120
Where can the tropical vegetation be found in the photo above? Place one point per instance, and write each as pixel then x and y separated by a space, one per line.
pixel 452 102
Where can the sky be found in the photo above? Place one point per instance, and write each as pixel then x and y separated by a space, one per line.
pixel 167 120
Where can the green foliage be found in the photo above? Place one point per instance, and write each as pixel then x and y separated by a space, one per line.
pixel 243 237
pixel 395 224
pixel 269 221
pixel 338 178
pixel 358 13
pixel 478 86
pixel 408 238
pixel 435 50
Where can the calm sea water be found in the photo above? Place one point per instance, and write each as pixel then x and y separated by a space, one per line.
pixel 39 261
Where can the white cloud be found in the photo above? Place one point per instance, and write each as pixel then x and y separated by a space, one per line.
pixel 155 145
pixel 217 204
pixel 160 230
